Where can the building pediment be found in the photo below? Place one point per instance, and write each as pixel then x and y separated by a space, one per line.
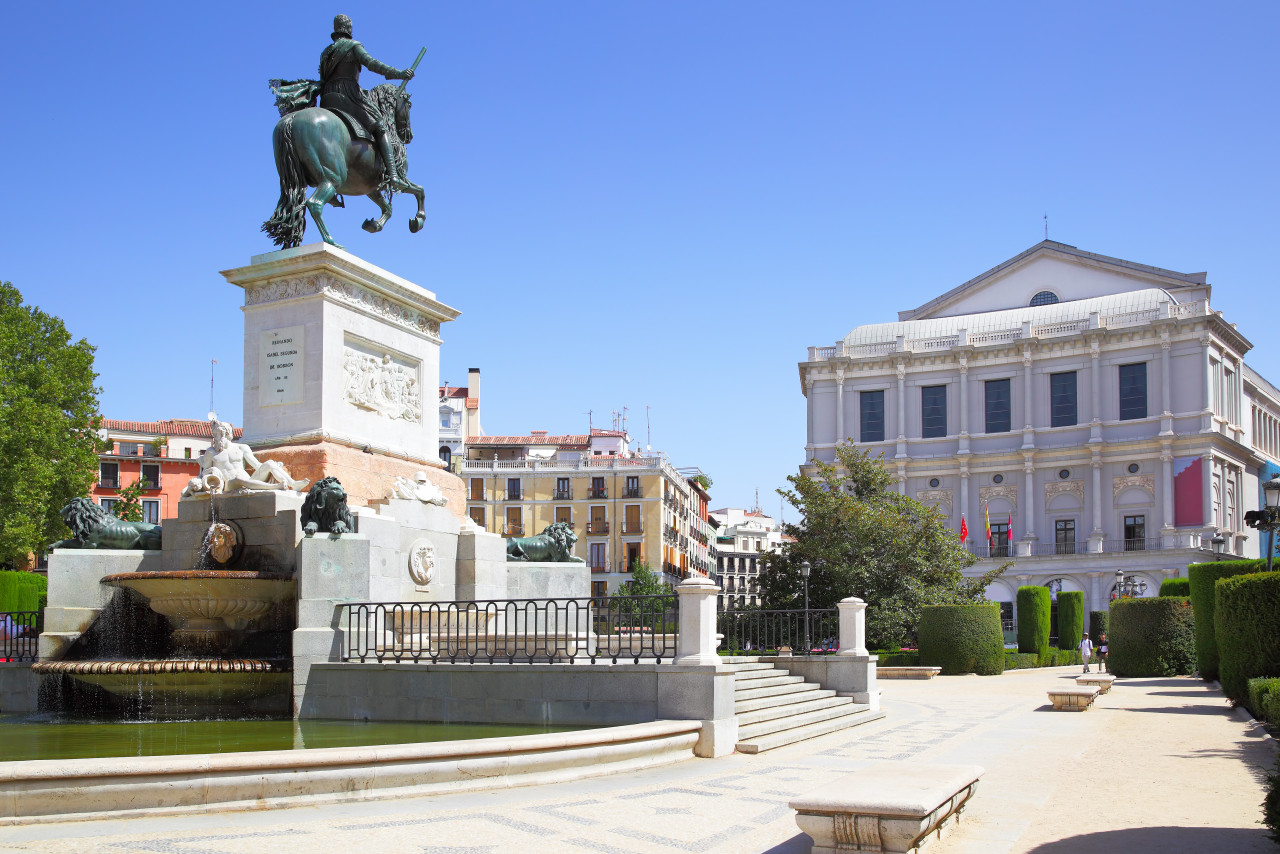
pixel 1065 272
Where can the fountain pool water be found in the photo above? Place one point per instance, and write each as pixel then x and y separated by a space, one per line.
pixel 46 737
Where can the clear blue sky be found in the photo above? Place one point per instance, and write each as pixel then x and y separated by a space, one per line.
pixel 658 203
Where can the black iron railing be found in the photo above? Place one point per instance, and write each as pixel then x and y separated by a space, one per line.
pixel 20 634
pixel 812 632
pixel 511 631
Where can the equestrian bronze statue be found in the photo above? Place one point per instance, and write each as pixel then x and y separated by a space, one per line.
pixel 352 143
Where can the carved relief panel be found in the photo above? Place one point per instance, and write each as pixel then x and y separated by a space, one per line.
pixel 380 382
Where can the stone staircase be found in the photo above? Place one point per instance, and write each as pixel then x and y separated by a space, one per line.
pixel 775 708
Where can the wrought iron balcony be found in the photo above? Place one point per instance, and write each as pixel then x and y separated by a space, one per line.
pixel 514 494
pixel 109 482
pixel 598 492
pixel 632 492
pixel 633 529
pixel 597 527
pixel 564 495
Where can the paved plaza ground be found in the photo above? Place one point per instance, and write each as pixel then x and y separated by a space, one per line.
pixel 1157 765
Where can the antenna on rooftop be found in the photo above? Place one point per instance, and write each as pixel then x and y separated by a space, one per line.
pixel 1046 226
pixel 624 419
pixel 212 362
pixel 648 439
pixel 756 507
pixel 590 424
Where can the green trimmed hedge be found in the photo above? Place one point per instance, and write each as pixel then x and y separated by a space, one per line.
pixel 962 639
pixel 1247 625
pixel 1098 621
pixel 1034 609
pixel 1264 699
pixel 1202 577
pixel 1070 619
pixel 22 591
pixel 1151 637
pixel 1271 806
pixel 1020 660
pixel 897 658
pixel 1175 587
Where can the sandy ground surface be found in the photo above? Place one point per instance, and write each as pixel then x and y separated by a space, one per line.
pixel 1157 765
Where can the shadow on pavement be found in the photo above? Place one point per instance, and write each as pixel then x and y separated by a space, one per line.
pixel 801 843
pixel 1164 840
pixel 1202 693
pixel 1221 711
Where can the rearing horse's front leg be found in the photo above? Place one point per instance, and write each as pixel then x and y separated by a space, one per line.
pixel 325 191
pixel 373 226
pixel 420 194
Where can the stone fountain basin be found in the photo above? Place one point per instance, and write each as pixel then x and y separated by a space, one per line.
pixel 208 598
pixel 182 687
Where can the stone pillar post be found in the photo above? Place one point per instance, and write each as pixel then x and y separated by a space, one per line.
pixel 964 494
pixel 964 405
pixel 853 626
pixel 1167 532
pixel 1095 392
pixel 1095 499
pixel 697 641
pixel 1029 502
pixel 1166 396
pixel 840 436
pixel 808 425
pixel 1210 520
pixel 902 409
pixel 1206 421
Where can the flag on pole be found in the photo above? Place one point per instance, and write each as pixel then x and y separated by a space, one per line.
pixel 986 512
pixel 964 530
pixel 1008 527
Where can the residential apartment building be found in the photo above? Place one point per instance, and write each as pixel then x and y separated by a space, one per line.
pixel 459 413
pixel 625 507
pixel 1098 411
pixel 742 537
pixel 163 454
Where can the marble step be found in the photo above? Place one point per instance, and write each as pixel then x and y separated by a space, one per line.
pixel 799 707
pixel 798 719
pixel 759 744
pixel 746 676
pixel 745 662
pixel 790 686
pixel 808 693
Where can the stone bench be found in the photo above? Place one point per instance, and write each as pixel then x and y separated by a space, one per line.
pixel 1073 699
pixel 891 807
pixel 907 672
pixel 1101 681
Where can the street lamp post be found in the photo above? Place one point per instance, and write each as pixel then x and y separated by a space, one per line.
pixel 805 569
pixel 1119 584
pixel 1271 493
pixel 1219 544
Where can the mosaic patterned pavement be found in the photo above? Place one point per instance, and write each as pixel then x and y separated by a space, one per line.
pixel 734 804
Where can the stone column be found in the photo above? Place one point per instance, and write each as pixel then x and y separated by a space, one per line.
pixel 1095 391
pixel 902 409
pixel 1206 420
pixel 1028 432
pixel 840 436
pixel 1167 532
pixel 808 426
pixel 1029 502
pixel 964 405
pixel 853 626
pixel 964 492
pixel 1097 534
pixel 1210 521
pixel 697 641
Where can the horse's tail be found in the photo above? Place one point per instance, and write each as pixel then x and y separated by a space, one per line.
pixel 287 225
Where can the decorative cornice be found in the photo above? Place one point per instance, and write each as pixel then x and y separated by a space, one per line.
pixel 1064 487
pixel 349 293
pixel 1007 491
pixel 1142 481
pixel 940 496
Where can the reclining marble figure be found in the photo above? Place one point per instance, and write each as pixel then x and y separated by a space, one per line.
pixel 229 466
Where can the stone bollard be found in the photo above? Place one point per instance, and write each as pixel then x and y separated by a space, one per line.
pixel 697 641
pixel 853 626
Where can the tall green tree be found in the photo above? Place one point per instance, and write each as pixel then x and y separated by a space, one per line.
pixel 48 419
pixel 863 539
pixel 128 504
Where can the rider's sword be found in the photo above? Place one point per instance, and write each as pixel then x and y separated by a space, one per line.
pixel 414 67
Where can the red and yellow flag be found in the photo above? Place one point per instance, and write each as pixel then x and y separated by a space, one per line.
pixel 986 512
pixel 964 530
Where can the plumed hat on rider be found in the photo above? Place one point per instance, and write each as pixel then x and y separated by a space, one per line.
pixel 341 27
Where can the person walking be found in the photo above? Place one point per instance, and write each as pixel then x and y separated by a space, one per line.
pixel 1086 649
pixel 1102 653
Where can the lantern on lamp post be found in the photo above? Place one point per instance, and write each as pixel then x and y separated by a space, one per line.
pixel 805 569
pixel 1271 494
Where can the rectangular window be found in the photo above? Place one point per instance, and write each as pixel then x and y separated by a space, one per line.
pixel 563 492
pixel 633 486
pixel 444 419
pixel 597 488
pixel 1135 533
pixel 871 427
pixel 933 411
pixel 599 557
pixel 1006 616
pixel 129 449
pixel 1133 391
pixel 1064 536
pixel 151 512
pixel 477 489
pixel 108 503
pixel 632 523
pixel 109 475
pixel 1062 399
pixel 477 515
pixel 515 517
pixel 998 406
pixel 633 556
pixel 999 539
pixel 565 514
pixel 150 476
pixel 513 489
pixel 598 521
pixel 186 452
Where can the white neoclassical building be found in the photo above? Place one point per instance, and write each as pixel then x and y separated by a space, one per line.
pixel 1097 411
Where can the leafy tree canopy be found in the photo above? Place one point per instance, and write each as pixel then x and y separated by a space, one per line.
pixel 128 504
pixel 48 418
pixel 863 539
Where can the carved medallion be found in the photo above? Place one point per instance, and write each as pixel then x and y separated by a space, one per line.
pixel 422 563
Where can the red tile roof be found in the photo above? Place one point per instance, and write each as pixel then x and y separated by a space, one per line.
pixel 173 427
pixel 453 391
pixel 618 433
pixel 564 443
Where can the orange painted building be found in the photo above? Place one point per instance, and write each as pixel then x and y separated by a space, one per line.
pixel 165 454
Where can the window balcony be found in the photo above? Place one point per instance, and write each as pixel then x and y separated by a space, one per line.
pixel 633 529
pixel 109 482
pixel 599 567
pixel 510 530
pixel 148 483
pixel 598 492
pixel 1136 544
pixel 597 528
pixel 632 492
pixel 564 495
pixel 515 494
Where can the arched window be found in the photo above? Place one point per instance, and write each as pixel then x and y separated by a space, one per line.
pixel 1044 298
pixel 445 454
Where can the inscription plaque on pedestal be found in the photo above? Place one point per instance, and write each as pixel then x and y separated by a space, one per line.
pixel 280 366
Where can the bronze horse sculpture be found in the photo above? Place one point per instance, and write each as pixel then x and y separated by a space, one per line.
pixel 315 148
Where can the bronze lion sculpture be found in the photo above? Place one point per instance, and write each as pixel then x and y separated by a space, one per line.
pixel 553 545
pixel 325 509
pixel 95 528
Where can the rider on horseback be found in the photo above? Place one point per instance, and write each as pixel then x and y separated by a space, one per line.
pixel 340 89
